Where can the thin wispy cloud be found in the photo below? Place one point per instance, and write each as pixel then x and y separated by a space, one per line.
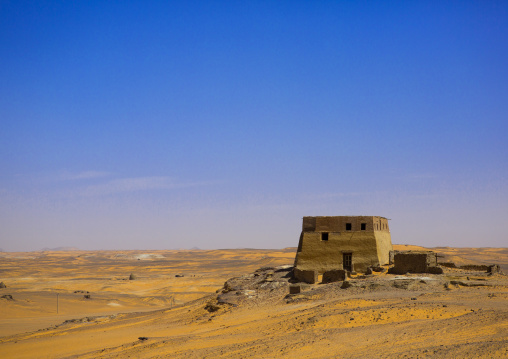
pixel 418 176
pixel 84 175
pixel 135 184
pixel 320 196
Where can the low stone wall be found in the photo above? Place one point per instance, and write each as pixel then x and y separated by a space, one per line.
pixel 447 264
pixel 415 262
pixel 435 270
pixel 494 268
pixel 334 276
pixel 475 267
pixel 306 276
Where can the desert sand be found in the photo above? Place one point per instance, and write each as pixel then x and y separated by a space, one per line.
pixel 178 306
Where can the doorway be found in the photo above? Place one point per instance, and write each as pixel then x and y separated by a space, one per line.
pixel 347 261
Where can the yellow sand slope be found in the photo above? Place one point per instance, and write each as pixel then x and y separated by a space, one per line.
pixel 377 317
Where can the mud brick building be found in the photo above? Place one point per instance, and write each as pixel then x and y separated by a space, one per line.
pixel 351 243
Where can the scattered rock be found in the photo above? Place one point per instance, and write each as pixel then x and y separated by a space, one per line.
pixel 79 320
pixel 447 264
pixel 403 283
pixel 268 278
pixel 212 307
pixel 7 296
pixel 228 287
pixel 143 338
pixel 179 275
pixel 284 268
pixel 374 286
pixel 2 285
pixel 468 284
pixel 132 276
pixel 346 284
pixel 87 296
pixel 294 298
pixel 294 289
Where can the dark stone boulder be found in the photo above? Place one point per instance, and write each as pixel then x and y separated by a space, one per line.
pixel 212 307
pixel 295 289
pixel 346 284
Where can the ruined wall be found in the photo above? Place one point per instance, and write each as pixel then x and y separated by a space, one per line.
pixel 307 276
pixel 337 275
pixel 414 262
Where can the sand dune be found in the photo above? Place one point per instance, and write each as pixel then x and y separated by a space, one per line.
pixel 387 317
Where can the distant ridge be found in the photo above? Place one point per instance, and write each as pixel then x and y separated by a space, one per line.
pixel 60 249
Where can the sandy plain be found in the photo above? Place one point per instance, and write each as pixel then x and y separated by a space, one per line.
pixel 179 307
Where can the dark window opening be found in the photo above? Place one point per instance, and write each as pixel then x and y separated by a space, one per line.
pixel 347 261
pixel 324 236
pixel 363 226
pixel 348 226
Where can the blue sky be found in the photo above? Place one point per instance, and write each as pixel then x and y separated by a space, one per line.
pixel 154 125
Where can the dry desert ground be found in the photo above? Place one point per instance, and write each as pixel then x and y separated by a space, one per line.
pixel 235 304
